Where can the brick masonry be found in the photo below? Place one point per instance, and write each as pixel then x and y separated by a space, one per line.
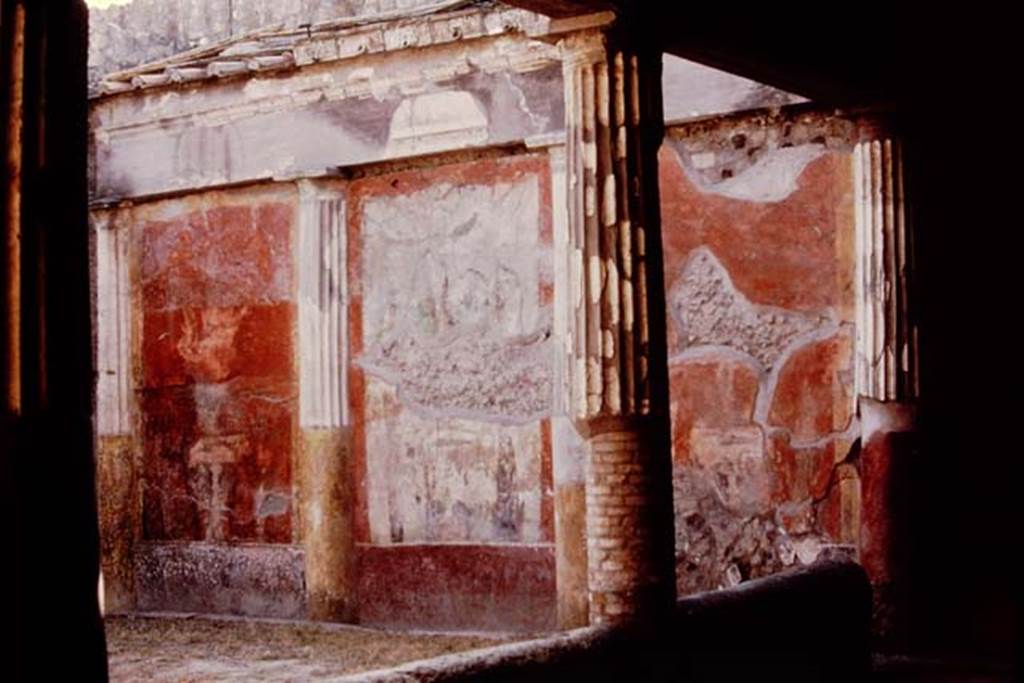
pixel 625 574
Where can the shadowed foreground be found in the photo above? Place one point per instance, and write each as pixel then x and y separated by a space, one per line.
pixel 183 648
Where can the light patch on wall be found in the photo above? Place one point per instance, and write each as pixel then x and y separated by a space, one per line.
pixel 773 176
pixel 452 310
pixel 442 120
pixel 450 480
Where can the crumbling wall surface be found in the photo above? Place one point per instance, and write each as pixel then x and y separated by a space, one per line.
pixel 125 36
pixel 758 234
pixel 451 386
pixel 216 392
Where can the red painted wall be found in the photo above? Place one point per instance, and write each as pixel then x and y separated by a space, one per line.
pixel 759 276
pixel 217 383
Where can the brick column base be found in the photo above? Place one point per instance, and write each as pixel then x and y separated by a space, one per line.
pixel 628 550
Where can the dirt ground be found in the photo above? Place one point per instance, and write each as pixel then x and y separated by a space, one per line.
pixel 191 649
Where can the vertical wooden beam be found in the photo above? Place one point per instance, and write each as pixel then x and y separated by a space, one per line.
pixel 14 101
pixel 45 342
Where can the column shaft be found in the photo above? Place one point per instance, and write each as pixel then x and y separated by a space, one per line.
pixel 617 360
pixel 323 465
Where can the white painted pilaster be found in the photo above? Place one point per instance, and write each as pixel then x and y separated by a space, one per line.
pixel 113 329
pixel 323 315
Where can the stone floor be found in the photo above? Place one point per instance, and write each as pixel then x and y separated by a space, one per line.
pixel 187 649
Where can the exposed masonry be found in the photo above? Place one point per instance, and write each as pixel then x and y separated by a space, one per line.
pixel 613 133
pixel 458 325
pixel 323 310
pixel 728 529
pixel 715 546
pixel 621 495
pixel 759 156
pixel 719 546
pixel 709 311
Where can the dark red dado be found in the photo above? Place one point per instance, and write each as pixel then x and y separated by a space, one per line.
pixel 458 587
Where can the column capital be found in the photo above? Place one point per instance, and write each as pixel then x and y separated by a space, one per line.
pixel 582 48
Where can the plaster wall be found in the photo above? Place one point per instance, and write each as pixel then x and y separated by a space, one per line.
pixel 452 385
pixel 442 428
pixel 758 232
pixel 215 389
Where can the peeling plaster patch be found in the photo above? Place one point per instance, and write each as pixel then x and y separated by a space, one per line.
pixel 505 381
pixel 772 178
pixel 715 546
pixel 271 504
pixel 452 303
pixel 720 149
pixel 734 456
pixel 718 547
pixel 709 311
